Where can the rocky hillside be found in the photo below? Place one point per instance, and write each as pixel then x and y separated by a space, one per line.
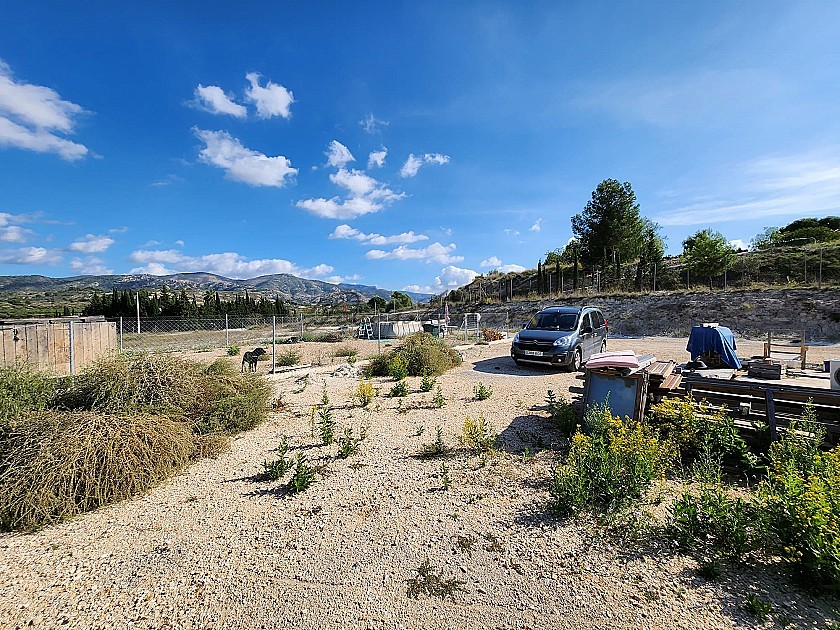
pixel 748 313
pixel 287 287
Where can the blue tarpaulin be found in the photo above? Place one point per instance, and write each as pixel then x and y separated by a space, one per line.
pixel 720 339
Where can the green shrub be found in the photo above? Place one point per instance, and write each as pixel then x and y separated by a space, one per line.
pixel 348 444
pixel 436 448
pixel 421 353
pixel 693 427
pixel 478 435
pixel 800 502
pixel 326 424
pixel 345 350
pixel 234 350
pixel 275 469
pixel 288 358
pixel 757 606
pixel 365 392
pixel 428 383
pixel 56 464
pixel 482 392
pixel 439 399
pixel 397 368
pixel 612 465
pixel 302 477
pixel 563 415
pixel 713 523
pixel 23 390
pixel 399 390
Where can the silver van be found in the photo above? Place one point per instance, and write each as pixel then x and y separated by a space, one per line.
pixel 562 336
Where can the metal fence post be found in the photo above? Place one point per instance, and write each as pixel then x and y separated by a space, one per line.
pixel 227 332
pixel 72 353
pixel 121 341
pixel 301 326
pixel 273 343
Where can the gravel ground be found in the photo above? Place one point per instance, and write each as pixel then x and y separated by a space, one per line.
pixel 215 547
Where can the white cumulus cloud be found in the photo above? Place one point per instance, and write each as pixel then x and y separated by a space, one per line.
pixel 338 155
pixel 364 196
pixel 413 163
pixel 91 244
pixel 347 232
pixel 511 268
pixel 271 100
pixel 377 158
pixel 537 226
pixel 243 164
pixel 35 117
pixel 212 98
pixel 29 256
pixel 493 261
pixel 228 264
pixel 90 266
pixel 14 234
pixel 431 253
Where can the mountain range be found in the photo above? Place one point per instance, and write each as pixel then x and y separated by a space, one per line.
pixel 288 287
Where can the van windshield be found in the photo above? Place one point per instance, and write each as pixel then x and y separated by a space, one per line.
pixel 553 321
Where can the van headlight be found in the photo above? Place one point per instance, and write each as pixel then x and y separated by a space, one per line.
pixel 562 342
pixel 516 338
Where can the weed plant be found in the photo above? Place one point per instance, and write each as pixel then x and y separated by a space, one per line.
pixel 482 392
pixel 436 448
pixel 397 368
pixel 563 415
pixel 23 390
pixel 399 390
pixel 234 350
pixel 288 358
pixel 445 481
pixel 439 399
pixel 275 469
pixel 478 435
pixel 758 607
pixel 364 393
pixel 326 425
pixel 612 465
pixel 303 475
pixel 421 354
pixel 348 444
pixel 345 350
pixel 429 582
pixel 57 464
pixel 428 383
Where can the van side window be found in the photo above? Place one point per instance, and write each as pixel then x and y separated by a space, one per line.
pixel 598 319
pixel 585 321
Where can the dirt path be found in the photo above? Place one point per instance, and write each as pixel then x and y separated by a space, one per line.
pixel 216 548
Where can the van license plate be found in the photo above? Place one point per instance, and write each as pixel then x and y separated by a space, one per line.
pixel 533 353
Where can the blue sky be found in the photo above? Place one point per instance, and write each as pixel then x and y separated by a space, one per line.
pixel 403 145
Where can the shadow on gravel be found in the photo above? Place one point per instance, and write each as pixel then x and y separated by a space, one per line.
pixel 506 366
pixel 532 432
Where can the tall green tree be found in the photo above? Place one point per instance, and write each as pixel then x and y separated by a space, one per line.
pixel 707 254
pixel 377 303
pixel 610 228
pixel 651 252
pixel 399 301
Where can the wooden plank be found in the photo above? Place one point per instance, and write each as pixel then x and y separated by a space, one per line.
pixel 771 414
pixel 661 369
pixel 20 345
pixel 44 353
pixel 6 351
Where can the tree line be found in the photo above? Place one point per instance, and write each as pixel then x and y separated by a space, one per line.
pixel 614 242
pixel 165 303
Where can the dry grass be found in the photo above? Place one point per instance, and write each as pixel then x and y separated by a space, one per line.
pixel 59 464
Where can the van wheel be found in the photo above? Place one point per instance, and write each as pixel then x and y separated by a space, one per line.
pixel 577 359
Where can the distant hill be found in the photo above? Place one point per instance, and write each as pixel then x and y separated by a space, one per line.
pixel 288 287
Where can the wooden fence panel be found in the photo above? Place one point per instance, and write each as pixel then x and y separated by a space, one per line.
pixel 47 346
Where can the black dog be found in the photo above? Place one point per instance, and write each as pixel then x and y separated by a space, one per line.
pixel 251 359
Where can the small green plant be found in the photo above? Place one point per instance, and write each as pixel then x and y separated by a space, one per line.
pixel 275 469
pixel 397 368
pixel 562 413
pixel 445 481
pixel 326 425
pixel 302 477
pixel 399 390
pixel 418 430
pixel 758 607
pixel 713 522
pixel 436 448
pixel 428 582
pixel 478 435
pixel 364 393
pixel 288 358
pixel 325 398
pixel 428 383
pixel 439 400
pixel 234 350
pixel 346 350
pixel 348 444
pixel 482 391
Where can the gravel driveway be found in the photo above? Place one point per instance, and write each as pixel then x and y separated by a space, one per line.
pixel 215 547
